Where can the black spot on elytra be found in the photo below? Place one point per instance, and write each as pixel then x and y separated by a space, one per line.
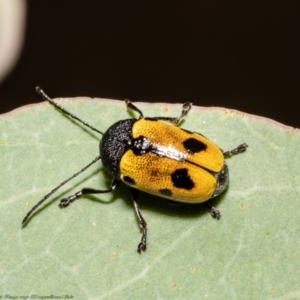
pixel 129 180
pixel 166 192
pixel 193 146
pixel 181 179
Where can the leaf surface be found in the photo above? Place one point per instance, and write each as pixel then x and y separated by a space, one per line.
pixel 88 250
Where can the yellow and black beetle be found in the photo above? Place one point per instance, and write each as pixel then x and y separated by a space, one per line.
pixel 161 159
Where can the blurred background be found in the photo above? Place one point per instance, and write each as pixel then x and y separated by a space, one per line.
pixel 234 54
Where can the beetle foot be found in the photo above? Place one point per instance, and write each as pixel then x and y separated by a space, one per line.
pixel 239 149
pixel 66 201
pixel 142 247
pixel 143 244
pixel 214 213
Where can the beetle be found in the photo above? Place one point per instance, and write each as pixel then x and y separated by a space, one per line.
pixel 151 155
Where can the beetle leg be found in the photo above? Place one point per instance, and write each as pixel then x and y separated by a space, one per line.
pixel 142 222
pixel 133 107
pixel 213 211
pixel 239 149
pixel 66 201
pixel 186 107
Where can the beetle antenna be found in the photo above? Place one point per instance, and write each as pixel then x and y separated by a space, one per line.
pixel 58 187
pixel 46 97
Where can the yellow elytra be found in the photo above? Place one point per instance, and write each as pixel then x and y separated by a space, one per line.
pixel 174 149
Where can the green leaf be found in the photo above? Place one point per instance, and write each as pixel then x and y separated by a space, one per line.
pixel 88 250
